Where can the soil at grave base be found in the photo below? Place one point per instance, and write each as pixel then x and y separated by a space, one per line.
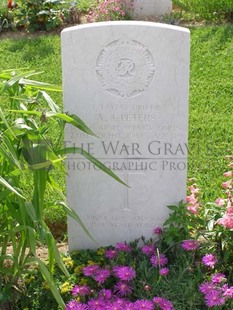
pixel 42 251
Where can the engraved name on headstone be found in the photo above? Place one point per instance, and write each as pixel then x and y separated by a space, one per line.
pixel 129 82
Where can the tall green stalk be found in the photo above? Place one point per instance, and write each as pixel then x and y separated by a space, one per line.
pixel 27 158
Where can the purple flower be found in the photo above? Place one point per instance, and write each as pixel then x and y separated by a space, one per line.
pixel 96 304
pixel 113 306
pixel 163 271
pixel 102 275
pixel 206 287
pixel 160 260
pixel 129 306
pixel 122 289
pixel 190 245
pixel 120 301
pixel 209 260
pixel 123 247
pixel 74 305
pixel 218 278
pixel 228 292
pixel 124 273
pixel 118 304
pixel 163 303
pixel 157 231
pixel 143 304
pixel 105 294
pixel 214 298
pixel 148 249
pixel 90 270
pixel 111 253
pixel 81 290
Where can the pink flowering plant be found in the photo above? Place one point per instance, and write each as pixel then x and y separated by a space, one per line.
pixel 107 10
pixel 186 264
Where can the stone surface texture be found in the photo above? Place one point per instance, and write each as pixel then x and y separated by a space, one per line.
pixel 151 8
pixel 129 82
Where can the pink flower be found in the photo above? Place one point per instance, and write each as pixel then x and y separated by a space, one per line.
pixel 163 271
pixel 228 292
pixel 209 260
pixel 81 290
pixel 214 298
pixel 229 208
pixel 74 305
pixel 122 289
pixel 158 231
pixel 193 189
pixel 125 273
pixel 228 174
pixel 111 253
pixel 128 306
pixel 90 270
pixel 193 208
pixel 96 304
pixel 227 184
pixel 105 294
pixel 206 287
pixel 144 304
pixel 190 245
pixel 163 303
pixel 226 221
pixel 124 247
pixel 218 278
pixel 148 249
pixel 220 202
pixel 102 275
pixel 191 199
pixel 160 260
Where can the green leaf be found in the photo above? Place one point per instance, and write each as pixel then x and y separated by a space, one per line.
pixel 26 112
pixel 5 122
pixel 12 189
pixel 17 78
pixel 92 159
pixel 173 208
pixel 7 148
pixel 75 216
pixel 48 278
pixel 40 85
pixel 53 252
pixel 71 119
pixel 51 103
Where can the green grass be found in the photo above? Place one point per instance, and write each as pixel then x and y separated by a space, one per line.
pixel 211 94
pixel 211 101
pixel 208 10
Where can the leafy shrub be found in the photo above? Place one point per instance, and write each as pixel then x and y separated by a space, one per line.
pixel 28 155
pixel 106 10
pixel 41 14
pixel 187 264
pixel 6 17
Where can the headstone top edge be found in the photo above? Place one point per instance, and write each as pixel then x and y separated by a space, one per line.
pixel 125 23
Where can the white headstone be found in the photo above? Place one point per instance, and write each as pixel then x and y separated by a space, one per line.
pixel 129 82
pixel 151 8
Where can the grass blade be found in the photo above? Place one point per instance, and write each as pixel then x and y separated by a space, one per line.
pixel 92 159
pixel 12 189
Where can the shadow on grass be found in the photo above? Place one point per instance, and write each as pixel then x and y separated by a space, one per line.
pixel 222 34
pixel 29 47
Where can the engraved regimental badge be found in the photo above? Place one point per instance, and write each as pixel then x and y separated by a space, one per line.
pixel 125 68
